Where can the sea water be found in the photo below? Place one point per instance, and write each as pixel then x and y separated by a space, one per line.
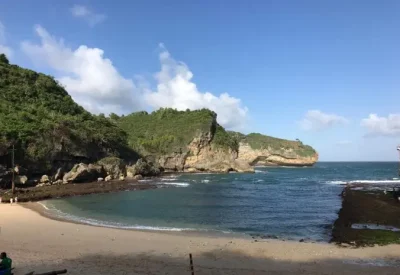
pixel 284 202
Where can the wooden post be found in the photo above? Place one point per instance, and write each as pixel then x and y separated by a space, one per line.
pixel 191 263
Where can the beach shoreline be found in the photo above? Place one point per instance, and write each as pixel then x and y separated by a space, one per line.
pixel 35 242
pixel 39 208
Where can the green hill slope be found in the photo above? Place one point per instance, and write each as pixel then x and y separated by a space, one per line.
pixel 47 126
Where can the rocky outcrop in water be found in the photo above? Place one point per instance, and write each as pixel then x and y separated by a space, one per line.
pixel 272 157
pixel 258 149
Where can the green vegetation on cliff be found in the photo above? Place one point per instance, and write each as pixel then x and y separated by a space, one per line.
pixel 168 131
pixel 45 124
pixel 259 141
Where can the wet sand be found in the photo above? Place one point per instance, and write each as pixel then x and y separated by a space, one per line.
pixel 35 242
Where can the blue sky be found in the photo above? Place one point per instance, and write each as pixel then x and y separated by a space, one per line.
pixel 326 72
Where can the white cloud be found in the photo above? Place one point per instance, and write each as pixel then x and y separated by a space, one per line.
pixel 96 84
pixel 89 77
pixel 91 17
pixel 3 48
pixel 315 120
pixel 176 89
pixel 382 126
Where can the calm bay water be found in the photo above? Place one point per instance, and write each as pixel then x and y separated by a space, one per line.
pixel 290 203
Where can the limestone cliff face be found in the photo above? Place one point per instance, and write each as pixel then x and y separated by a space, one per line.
pixel 203 155
pixel 272 157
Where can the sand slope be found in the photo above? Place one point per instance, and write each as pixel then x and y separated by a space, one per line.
pixel 38 243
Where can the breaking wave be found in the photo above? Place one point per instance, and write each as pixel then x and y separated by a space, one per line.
pixel 341 182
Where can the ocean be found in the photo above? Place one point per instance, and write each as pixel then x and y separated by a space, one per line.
pixel 275 202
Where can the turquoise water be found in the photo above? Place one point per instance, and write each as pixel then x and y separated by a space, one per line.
pixel 289 203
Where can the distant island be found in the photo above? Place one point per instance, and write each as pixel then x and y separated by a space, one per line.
pixel 57 141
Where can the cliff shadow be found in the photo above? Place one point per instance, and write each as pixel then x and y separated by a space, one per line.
pixel 212 262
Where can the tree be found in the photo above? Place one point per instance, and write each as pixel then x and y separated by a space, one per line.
pixel 114 116
pixel 4 59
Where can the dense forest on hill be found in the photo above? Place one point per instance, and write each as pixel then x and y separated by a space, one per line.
pixel 43 122
pixel 167 131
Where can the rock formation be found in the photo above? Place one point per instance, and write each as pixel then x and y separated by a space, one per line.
pixel 257 149
pixel 84 173
pixel 113 166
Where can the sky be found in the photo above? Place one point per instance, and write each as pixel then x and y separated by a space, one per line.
pixel 325 72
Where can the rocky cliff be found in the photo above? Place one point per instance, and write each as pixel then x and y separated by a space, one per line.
pixel 258 149
pixel 183 141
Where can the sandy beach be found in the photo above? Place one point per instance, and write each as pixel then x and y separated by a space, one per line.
pixel 38 243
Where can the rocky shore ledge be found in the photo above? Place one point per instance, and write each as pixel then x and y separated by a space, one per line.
pixel 31 194
pixel 370 215
pixel 107 175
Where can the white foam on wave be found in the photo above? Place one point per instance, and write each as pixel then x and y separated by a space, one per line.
pixel 44 206
pixel 169 179
pixel 146 180
pixel 259 180
pixel 394 181
pixel 205 181
pixel 94 222
pixel 336 182
pixel 260 171
pixel 179 184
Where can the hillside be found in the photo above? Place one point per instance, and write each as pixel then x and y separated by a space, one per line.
pixel 258 149
pixel 47 127
pixel 181 140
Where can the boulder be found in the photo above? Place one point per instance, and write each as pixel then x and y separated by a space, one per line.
pixel 100 179
pixel 44 179
pixel 144 168
pixel 84 173
pixel 58 182
pixel 121 177
pixel 19 170
pixel 59 174
pixel 21 179
pixel 108 178
pixel 129 172
pixel 138 177
pixel 43 184
pixel 115 167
